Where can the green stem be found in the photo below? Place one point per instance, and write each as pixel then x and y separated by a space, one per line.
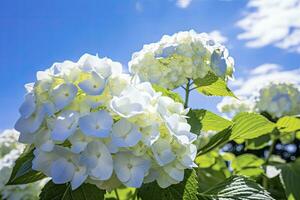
pixel 187 93
pixel 117 195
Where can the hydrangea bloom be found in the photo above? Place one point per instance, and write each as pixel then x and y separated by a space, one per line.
pixel 10 150
pixel 183 55
pixel 232 106
pixel 279 100
pixel 91 123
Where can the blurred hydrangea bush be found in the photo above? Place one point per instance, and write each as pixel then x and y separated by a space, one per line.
pixel 276 99
pixel 10 150
pixel 279 100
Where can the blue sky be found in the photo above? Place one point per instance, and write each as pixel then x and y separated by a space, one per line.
pixel 34 34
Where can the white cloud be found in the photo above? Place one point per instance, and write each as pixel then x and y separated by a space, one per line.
pixel 183 3
pixel 217 35
pixel 265 68
pixel 272 22
pixel 263 75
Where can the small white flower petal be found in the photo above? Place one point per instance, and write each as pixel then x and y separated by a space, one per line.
pixel 62 171
pixel 162 152
pixel 43 140
pixel 102 166
pixel 125 108
pixel 31 124
pixel 94 85
pixel 79 177
pixel 42 161
pixel 176 174
pixel 164 180
pixel 78 147
pixel 125 134
pixel 150 134
pixel 63 95
pixel 122 171
pixel 136 177
pixel 64 125
pixel 97 124
pixel 29 105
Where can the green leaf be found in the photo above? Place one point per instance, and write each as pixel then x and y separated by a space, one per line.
pixel 212 85
pixel 290 178
pixel 275 188
pixel 123 193
pixel 208 178
pixel 298 135
pixel 206 160
pixel 250 125
pixel 216 140
pixel 194 121
pixel 236 188
pixel 175 96
pixel 22 172
pixel 287 137
pixel 288 124
pixel 86 191
pixel 185 190
pixel 258 143
pixel 247 165
pixel 209 121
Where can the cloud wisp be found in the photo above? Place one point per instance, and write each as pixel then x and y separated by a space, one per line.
pixel 272 22
pixel 218 36
pixel 183 3
pixel 262 76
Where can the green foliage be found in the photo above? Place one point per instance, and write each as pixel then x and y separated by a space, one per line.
pixel 276 189
pixel 175 96
pixel 194 121
pixel 236 188
pixel 288 124
pixel 258 143
pixel 213 162
pixel 186 190
pixel 123 193
pixel 86 191
pixel 290 178
pixel 250 125
pixel 209 121
pixel 286 137
pixel 216 140
pixel 297 134
pixel 208 178
pixel 22 172
pixel 247 165
pixel 212 85
pixel 206 160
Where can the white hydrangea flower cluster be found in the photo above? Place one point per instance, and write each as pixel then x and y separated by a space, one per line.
pixel 183 55
pixel 10 150
pixel 279 100
pixel 232 106
pixel 91 123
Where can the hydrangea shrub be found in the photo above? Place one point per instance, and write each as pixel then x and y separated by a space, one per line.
pixel 93 129
pixel 10 150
